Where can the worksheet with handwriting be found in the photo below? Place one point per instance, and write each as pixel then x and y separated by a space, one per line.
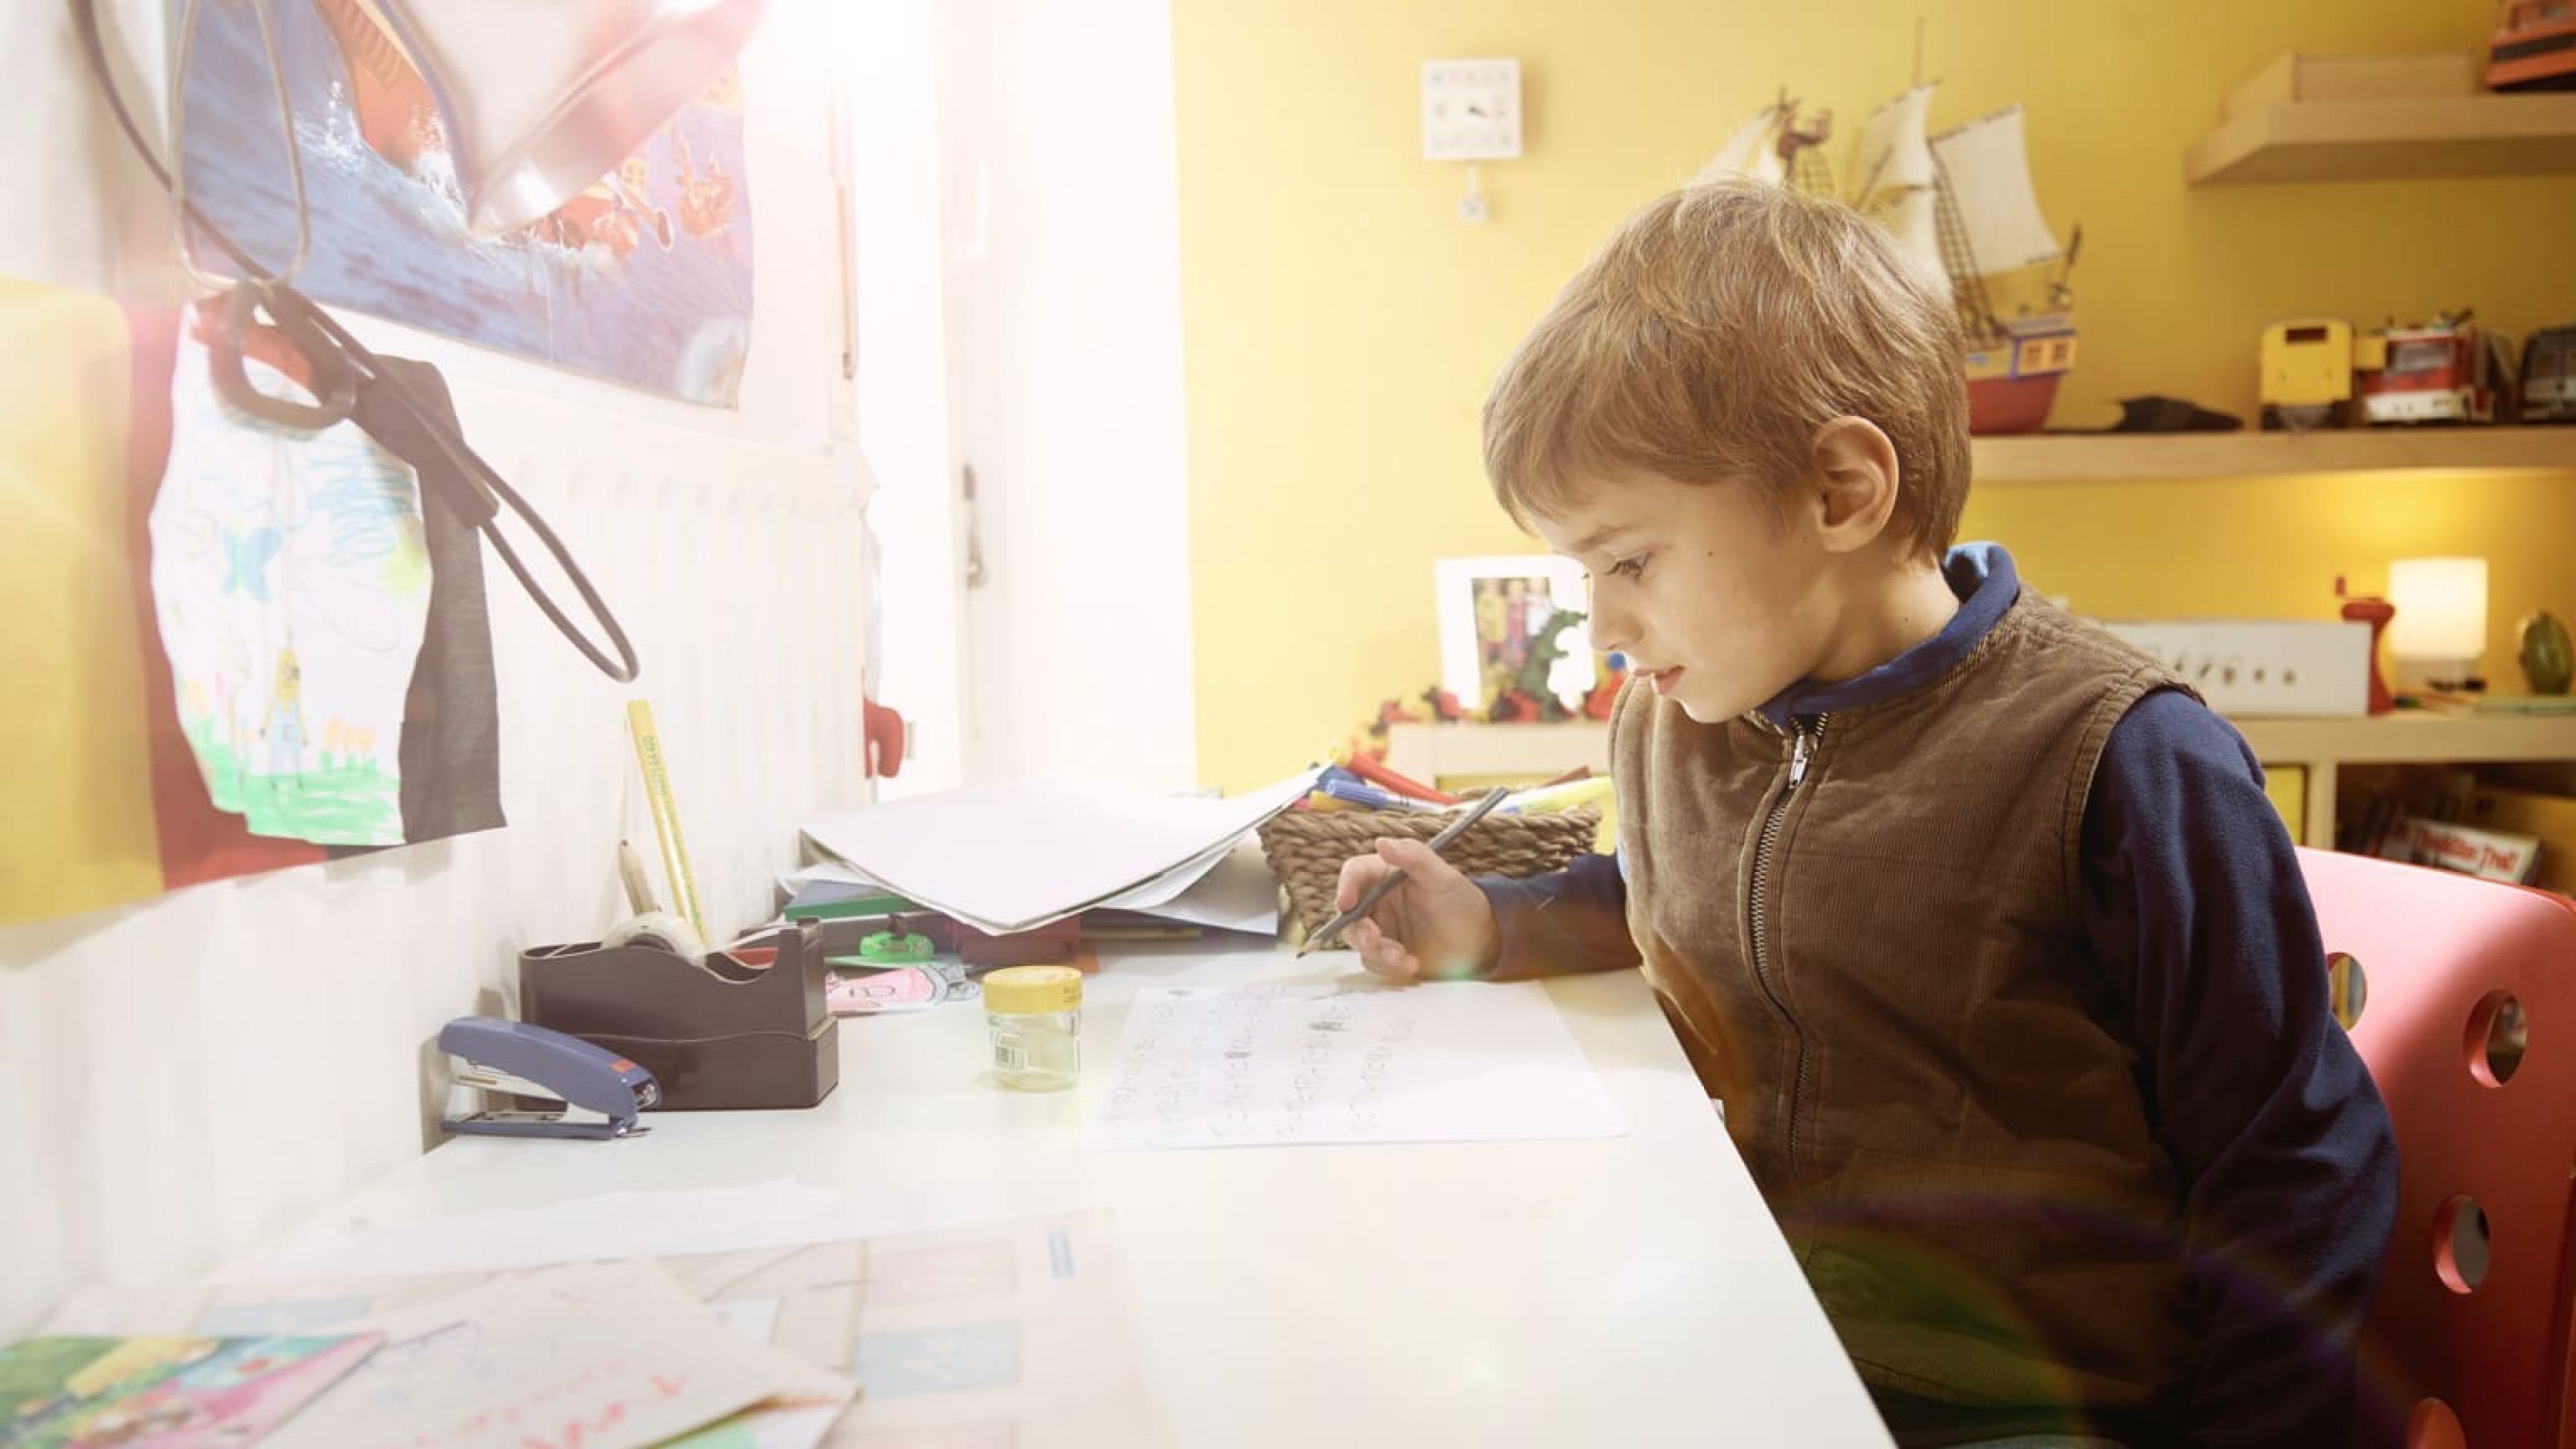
pixel 1347 1061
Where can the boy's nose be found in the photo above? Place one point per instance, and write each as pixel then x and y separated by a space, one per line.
pixel 1613 631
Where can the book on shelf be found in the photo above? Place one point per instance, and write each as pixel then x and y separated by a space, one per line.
pixel 2494 854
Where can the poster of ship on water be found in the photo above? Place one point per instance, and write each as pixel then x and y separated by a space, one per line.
pixel 644 278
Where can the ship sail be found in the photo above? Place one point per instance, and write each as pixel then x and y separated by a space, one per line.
pixel 1914 220
pixel 1895 155
pixel 1898 178
pixel 1986 170
pixel 1752 153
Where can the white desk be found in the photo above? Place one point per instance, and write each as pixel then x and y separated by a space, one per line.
pixel 1628 1291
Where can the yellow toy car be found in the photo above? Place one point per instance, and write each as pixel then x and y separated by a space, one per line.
pixel 2307 371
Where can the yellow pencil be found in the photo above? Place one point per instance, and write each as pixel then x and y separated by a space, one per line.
pixel 666 815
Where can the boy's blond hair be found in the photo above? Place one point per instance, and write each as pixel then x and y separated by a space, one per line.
pixel 1710 338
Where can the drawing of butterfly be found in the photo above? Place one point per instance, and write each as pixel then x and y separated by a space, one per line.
pixel 246 557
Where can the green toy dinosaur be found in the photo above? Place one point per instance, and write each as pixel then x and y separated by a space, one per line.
pixel 1544 650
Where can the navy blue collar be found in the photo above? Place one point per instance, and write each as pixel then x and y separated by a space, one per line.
pixel 1982 575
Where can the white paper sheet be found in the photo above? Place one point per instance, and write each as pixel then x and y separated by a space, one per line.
pixel 1013 857
pixel 1347 1061
pixel 633 1361
pixel 1238 894
pixel 1010 1331
pixel 608 1225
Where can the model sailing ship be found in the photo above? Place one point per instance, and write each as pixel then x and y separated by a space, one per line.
pixel 1961 206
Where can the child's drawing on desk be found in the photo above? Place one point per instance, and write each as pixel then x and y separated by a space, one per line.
pixel 174 1393
pixel 1976 919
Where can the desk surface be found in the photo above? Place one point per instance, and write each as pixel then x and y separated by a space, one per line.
pixel 1627 1291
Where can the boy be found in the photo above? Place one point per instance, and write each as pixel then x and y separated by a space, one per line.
pixel 1975 920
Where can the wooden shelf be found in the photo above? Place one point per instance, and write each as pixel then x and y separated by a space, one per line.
pixel 2089 457
pixel 2318 746
pixel 2516 135
pixel 2413 735
pixel 1423 750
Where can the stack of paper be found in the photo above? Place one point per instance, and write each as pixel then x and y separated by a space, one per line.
pixel 995 1330
pixel 607 1356
pixel 1005 858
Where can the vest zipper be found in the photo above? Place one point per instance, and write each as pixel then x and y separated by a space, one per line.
pixel 1804 733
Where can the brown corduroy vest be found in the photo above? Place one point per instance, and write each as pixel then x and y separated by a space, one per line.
pixel 1882 972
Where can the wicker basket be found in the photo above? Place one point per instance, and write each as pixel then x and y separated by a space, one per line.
pixel 1306 848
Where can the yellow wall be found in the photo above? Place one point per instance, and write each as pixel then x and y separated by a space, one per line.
pixel 1342 325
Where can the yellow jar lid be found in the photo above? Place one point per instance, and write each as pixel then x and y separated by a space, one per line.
pixel 1019 990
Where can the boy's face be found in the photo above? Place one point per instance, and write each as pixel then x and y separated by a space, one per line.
pixel 1716 598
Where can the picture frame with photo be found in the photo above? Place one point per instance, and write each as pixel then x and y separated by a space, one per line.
pixel 1493 609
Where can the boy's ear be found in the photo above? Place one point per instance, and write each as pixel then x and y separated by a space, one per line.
pixel 1856 480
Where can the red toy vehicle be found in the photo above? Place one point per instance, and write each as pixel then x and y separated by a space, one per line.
pixel 2448 371
pixel 2534 47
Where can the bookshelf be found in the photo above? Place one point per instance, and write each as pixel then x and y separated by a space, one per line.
pixel 2382 140
pixel 2318 746
pixel 2099 457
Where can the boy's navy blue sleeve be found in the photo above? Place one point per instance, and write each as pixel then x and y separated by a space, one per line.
pixel 2287 1162
pixel 1575 919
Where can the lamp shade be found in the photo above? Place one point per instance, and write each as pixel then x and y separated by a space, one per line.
pixel 2441 608
pixel 543 97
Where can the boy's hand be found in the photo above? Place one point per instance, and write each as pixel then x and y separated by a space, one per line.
pixel 1436 926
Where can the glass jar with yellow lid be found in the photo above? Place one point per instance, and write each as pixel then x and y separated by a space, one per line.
pixel 1035 1016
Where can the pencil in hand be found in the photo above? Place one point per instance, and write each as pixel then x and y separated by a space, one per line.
pixel 1386 884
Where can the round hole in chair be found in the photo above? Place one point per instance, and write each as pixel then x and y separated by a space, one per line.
pixel 2498 1037
pixel 2347 987
pixel 2460 1243
pixel 2432 1425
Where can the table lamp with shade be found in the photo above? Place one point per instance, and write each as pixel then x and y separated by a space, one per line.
pixel 2440 631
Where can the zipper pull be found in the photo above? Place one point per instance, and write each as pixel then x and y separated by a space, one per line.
pixel 1802 746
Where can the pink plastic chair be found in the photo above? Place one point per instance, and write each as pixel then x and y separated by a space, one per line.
pixel 2467 1019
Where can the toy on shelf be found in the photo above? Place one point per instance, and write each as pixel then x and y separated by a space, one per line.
pixel 2307 373
pixel 1444 705
pixel 1596 705
pixel 2376 612
pixel 2447 371
pixel 2543 652
pixel 2534 47
pixel 2549 376
pixel 2322 372
pixel 1962 205
pixel 1391 712
pixel 1545 649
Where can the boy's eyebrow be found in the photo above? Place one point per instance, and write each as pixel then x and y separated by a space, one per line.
pixel 1592 542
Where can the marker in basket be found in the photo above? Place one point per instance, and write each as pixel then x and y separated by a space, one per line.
pixel 1393 878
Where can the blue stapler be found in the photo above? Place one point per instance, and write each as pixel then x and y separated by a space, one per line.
pixel 601 1092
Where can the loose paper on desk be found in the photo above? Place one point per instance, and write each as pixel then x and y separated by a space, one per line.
pixel 167 1391
pixel 1238 892
pixel 1011 1331
pixel 633 1361
pixel 599 1226
pixel 1352 1060
pixel 1006 858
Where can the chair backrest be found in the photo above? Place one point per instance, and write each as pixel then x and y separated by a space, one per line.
pixel 2467 1020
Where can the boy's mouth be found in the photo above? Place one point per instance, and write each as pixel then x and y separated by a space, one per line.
pixel 1662 680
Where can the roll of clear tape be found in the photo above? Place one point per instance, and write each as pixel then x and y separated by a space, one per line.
pixel 662 930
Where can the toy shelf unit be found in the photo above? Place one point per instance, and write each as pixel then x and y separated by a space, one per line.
pixel 2404 137
pixel 2308 117
pixel 2319 747
pixel 2315 747
pixel 2085 458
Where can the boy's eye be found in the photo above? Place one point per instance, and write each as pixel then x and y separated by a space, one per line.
pixel 1633 567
